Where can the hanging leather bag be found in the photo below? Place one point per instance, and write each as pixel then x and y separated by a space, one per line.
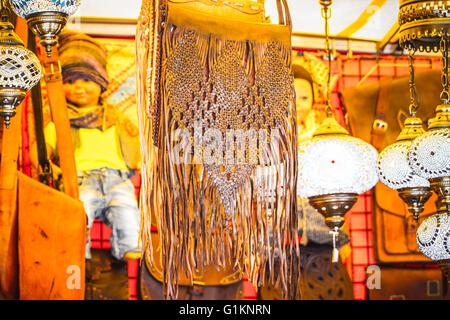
pixel 52 224
pixel 210 51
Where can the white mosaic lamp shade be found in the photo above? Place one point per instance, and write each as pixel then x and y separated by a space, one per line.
pixel 19 68
pixel 336 163
pixel 24 8
pixel 429 154
pixel 393 166
pixel 433 237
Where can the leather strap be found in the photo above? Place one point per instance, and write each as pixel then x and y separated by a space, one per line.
pixel 380 125
pixel 284 15
pixel 45 175
pixel 10 151
pixel 58 107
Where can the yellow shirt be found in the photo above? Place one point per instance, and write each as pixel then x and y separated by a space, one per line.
pixel 96 149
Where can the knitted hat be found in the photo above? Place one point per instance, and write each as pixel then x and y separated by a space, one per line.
pixel 82 58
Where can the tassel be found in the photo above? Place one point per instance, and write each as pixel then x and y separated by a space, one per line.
pixel 335 254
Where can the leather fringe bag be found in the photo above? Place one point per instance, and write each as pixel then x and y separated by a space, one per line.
pixel 215 85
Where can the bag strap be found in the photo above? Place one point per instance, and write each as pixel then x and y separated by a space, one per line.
pixel 45 173
pixel 380 125
pixel 10 151
pixel 58 107
pixel 284 15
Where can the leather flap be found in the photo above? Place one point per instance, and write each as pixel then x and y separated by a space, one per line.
pixel 52 243
pixel 360 103
pixel 239 30
pixel 390 202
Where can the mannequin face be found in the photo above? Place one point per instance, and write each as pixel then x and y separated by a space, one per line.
pixel 82 93
pixel 304 97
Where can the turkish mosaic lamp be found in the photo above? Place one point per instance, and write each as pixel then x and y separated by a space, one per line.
pixel 46 18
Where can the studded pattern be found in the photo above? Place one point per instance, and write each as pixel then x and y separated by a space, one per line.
pixel 24 8
pixel 225 98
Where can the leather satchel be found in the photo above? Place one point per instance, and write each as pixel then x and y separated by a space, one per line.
pixel 375 112
pixel 42 230
pixel 52 237
pixel 52 224
pixel 400 283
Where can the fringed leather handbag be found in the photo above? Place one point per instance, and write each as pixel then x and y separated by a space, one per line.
pixel 217 118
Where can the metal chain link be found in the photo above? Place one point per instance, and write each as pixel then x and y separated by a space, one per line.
pixel 326 14
pixel 445 97
pixel 414 103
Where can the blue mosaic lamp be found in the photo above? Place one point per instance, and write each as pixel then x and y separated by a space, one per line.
pixel 20 69
pixel 46 18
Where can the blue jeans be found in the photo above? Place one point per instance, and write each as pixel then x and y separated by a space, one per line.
pixel 108 195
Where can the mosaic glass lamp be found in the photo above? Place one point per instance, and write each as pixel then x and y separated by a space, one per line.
pixel 429 155
pixel 393 163
pixel 425 26
pixel 20 69
pixel 395 172
pixel 433 239
pixel 46 18
pixel 334 167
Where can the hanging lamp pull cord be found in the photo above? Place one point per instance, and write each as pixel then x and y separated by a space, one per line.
pixel 414 101
pixel 445 96
pixel 326 14
pixel 335 254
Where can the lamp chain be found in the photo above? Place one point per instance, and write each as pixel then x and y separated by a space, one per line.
pixel 3 11
pixel 445 96
pixel 326 14
pixel 414 103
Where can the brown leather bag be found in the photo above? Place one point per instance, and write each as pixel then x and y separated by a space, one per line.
pixel 42 230
pixel 52 224
pixel 375 112
pixel 52 237
pixel 9 152
pixel 9 155
pixel 400 283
